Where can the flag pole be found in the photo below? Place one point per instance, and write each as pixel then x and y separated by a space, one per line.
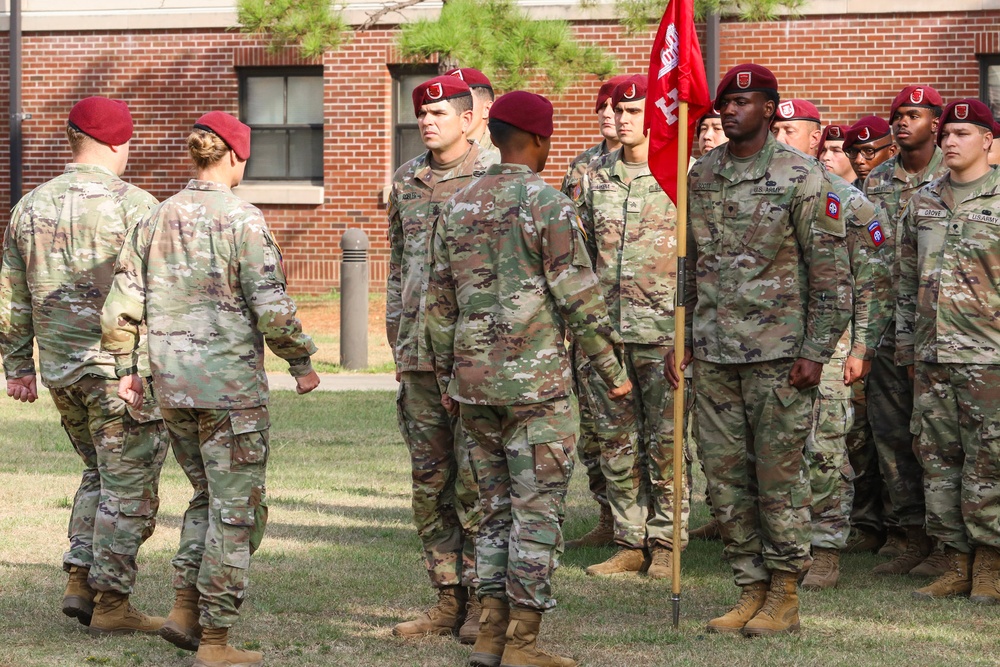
pixel 682 169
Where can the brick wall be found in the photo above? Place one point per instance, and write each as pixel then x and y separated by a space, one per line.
pixel 849 66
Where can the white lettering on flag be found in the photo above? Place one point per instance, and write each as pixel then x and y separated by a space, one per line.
pixel 668 111
pixel 669 56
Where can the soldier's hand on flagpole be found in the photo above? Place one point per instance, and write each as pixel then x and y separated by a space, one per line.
pixel 669 362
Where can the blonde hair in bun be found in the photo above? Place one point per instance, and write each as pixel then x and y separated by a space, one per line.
pixel 206 148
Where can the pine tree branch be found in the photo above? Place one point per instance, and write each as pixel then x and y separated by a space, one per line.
pixel 374 17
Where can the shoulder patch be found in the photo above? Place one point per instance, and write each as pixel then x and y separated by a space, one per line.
pixel 931 213
pixel 875 231
pixel 833 206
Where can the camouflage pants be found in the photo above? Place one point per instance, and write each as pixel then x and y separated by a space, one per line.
pixel 890 407
pixel 751 430
pixel 524 458
pixel 446 507
pixel 957 423
pixel 589 446
pixel 637 455
pixel 224 455
pixel 114 510
pixel 871 504
pixel 830 471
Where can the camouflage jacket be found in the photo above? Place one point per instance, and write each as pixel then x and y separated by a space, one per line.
pixel 489 153
pixel 870 270
pixel 572 182
pixel 632 239
pixel 948 303
pixel 510 274
pixel 890 187
pixel 768 270
pixel 205 274
pixel 58 264
pixel 414 205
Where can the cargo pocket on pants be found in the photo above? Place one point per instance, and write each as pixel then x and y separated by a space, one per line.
pixel 133 525
pixel 552 454
pixel 250 428
pixel 988 457
pixel 237 528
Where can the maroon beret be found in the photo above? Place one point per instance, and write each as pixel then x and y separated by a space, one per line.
pixel 796 109
pixel 103 119
pixel 747 78
pixel 866 130
pixel 229 129
pixel 525 111
pixel 632 88
pixel 607 88
pixel 916 96
pixel 967 111
pixel 439 89
pixel 473 77
pixel 831 132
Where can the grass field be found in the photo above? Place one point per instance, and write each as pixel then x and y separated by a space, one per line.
pixel 340 565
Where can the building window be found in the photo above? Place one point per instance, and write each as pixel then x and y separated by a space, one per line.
pixel 989 82
pixel 284 109
pixel 406 143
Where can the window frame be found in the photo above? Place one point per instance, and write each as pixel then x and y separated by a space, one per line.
pixel 397 72
pixel 283 72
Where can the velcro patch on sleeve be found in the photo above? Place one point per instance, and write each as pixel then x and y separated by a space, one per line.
pixel 832 206
pixel 875 230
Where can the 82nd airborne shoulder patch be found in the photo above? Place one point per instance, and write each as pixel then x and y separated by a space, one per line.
pixel 832 206
pixel 875 230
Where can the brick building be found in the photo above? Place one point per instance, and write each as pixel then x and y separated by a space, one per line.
pixel 347 118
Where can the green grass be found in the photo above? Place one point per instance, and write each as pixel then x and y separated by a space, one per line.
pixel 340 564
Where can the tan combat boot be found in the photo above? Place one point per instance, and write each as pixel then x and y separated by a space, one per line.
pixel 215 651
pixel 780 613
pixel 625 561
pixel 986 576
pixel 78 600
pixel 918 547
pixel 751 600
pixel 710 531
pixel 470 628
pixel 521 650
pixel 601 535
pixel 441 619
pixel 863 541
pixel 824 571
pixel 492 637
pixel 661 564
pixel 115 615
pixel 895 543
pixel 933 566
pixel 956 581
pixel 181 627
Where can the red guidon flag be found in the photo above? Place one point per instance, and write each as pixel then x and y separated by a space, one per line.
pixel 676 74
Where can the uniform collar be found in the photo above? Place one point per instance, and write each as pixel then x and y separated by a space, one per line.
pixel 196 184
pixel 731 170
pixel 88 168
pixel 924 176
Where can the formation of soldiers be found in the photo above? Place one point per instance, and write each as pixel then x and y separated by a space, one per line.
pixel 528 324
pixel 843 349
pixel 151 320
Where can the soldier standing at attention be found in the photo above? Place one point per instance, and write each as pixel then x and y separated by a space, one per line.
pixel 770 294
pixel 798 125
pixel 948 338
pixel 630 224
pixel 710 132
pixel 58 261
pixel 482 100
pixel 914 116
pixel 445 500
pixel 868 144
pixel 207 358
pixel 589 445
pixel 510 275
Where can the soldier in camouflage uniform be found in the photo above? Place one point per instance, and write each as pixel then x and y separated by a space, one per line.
pixel 630 224
pixel 446 508
pixel 207 327
pixel 948 329
pixel 770 296
pixel 798 125
pixel 867 144
pixel 914 115
pixel 510 275
pixel 589 445
pixel 482 100
pixel 58 256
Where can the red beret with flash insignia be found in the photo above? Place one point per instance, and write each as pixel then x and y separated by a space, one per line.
pixel 967 111
pixel 747 78
pixel 607 88
pixel 866 130
pixel 832 133
pixel 916 96
pixel 473 77
pixel 796 109
pixel 439 89
pixel 631 89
